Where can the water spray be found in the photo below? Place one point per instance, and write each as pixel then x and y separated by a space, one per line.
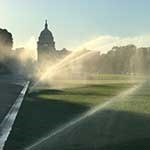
pixel 89 113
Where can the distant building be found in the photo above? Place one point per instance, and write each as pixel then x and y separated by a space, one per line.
pixel 18 51
pixel 46 46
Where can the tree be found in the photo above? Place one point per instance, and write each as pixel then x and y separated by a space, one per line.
pixel 6 43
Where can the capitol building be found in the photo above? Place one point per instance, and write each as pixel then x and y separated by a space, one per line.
pixel 46 46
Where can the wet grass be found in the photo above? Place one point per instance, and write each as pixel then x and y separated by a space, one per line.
pixel 90 95
pixel 124 125
pixel 44 109
pixel 139 102
pixel 106 130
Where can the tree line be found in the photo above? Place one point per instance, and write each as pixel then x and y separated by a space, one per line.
pixel 120 60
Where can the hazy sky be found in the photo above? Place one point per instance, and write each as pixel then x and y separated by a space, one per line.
pixel 74 22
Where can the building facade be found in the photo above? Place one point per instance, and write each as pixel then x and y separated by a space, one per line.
pixel 46 45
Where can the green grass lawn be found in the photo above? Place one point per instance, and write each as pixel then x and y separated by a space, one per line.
pixel 45 108
pixel 138 102
pixel 122 125
pixel 88 95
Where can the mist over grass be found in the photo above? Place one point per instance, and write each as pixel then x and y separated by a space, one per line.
pixel 84 64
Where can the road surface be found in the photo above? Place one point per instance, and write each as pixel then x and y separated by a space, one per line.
pixel 12 91
pixel 10 87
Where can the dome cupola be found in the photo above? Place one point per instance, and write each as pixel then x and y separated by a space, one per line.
pixel 46 35
pixel 46 43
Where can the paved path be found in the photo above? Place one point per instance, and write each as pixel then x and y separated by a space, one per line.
pixel 12 90
pixel 10 87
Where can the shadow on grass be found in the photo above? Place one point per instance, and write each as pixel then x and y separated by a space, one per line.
pixel 38 117
pixel 100 90
pixel 137 144
pixel 111 85
pixel 46 91
pixel 80 93
pixel 105 130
